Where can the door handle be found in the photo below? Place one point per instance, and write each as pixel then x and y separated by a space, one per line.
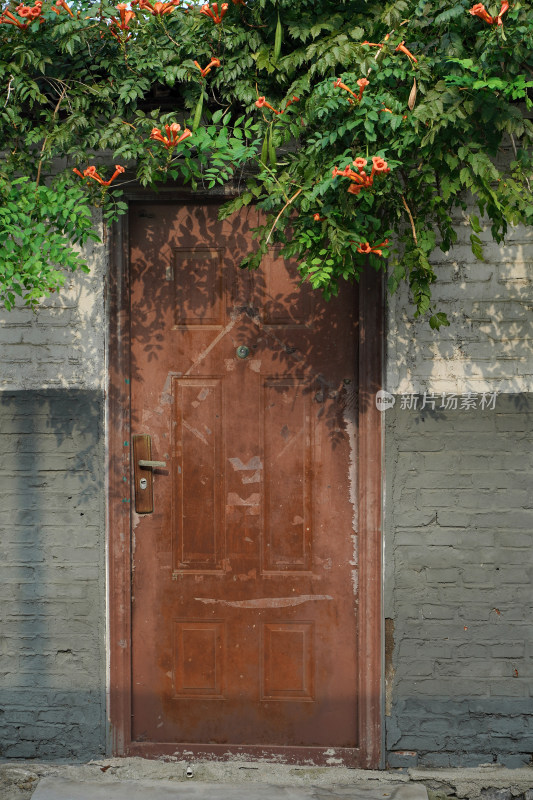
pixel 143 478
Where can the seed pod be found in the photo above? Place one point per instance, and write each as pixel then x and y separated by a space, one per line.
pixel 271 149
pixel 264 150
pixel 412 97
pixel 277 41
pixel 198 112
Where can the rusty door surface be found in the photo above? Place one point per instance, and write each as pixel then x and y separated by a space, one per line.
pixel 244 581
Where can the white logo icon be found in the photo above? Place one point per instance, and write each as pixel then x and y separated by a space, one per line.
pixel 384 400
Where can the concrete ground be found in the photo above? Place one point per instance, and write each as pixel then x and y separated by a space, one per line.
pixel 136 779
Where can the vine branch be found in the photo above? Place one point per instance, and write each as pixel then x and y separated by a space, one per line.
pixel 41 155
pixel 287 204
pixel 411 218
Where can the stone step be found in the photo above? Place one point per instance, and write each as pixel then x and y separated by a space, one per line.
pixel 60 788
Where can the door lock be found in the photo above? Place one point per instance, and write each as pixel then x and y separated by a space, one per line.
pixel 143 467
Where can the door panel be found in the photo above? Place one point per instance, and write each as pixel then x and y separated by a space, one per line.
pixel 244 605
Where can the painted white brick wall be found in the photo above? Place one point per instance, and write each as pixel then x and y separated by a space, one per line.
pixel 487 347
pixel 62 344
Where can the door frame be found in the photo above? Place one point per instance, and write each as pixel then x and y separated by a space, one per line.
pixel 369 470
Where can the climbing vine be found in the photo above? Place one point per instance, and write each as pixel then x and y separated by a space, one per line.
pixel 359 128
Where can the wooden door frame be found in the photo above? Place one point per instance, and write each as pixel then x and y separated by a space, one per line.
pixel 369 470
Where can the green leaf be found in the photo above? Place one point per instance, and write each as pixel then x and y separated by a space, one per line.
pixel 477 246
pixel 438 320
pixel 474 224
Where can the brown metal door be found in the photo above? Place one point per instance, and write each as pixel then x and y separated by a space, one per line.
pixel 244 581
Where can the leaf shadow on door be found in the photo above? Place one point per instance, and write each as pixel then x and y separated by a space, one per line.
pixel 187 283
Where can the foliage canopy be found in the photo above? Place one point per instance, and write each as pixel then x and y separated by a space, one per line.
pixel 284 98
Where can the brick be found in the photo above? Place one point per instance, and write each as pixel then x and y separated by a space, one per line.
pixel 480 575
pixel 455 518
pixel 442 575
pixel 402 759
pixel 514 650
pixel 464 686
pixel 415 557
pixel 511 687
pixel 439 611
pixel 514 574
pixel 439 480
pixel 410 651
pixel 438 759
pixel 21 750
pixel 472 667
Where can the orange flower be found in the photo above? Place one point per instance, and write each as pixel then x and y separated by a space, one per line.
pixel 172 138
pixel 91 172
pixel 479 10
pixel 163 8
pixel 126 15
pixel 362 82
pixel 213 12
pixel 290 102
pixel 262 101
pixel 215 62
pixel 388 110
pixel 372 44
pixel 30 13
pixel 340 85
pixel 318 218
pixel 503 9
pixel 367 248
pixel 157 9
pixel 360 179
pixel 401 47
pixel 7 18
pixel 345 173
pixel 61 4
pixel 379 165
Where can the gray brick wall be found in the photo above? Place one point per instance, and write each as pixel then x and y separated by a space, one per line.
pixel 52 575
pixel 459 572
